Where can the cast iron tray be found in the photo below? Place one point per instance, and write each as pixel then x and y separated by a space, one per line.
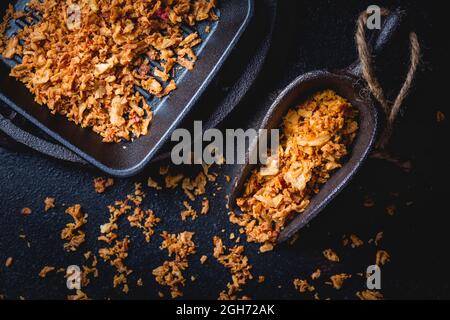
pixel 128 158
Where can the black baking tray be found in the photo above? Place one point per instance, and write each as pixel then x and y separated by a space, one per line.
pixel 128 158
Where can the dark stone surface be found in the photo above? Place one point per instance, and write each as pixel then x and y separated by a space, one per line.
pixel 311 35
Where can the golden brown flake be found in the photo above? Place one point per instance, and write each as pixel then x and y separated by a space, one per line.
pixel 80 295
pixel 316 274
pixel 261 279
pixel 26 211
pixel 171 272
pixel 8 262
pixel 117 254
pixel 45 270
pixel 173 181
pixel 49 203
pixel 189 212
pixel 302 286
pixel 440 116
pixel 330 255
pixel 72 233
pixel 266 247
pixel 145 220
pixel 203 259
pixel 355 241
pixel 101 184
pixel 238 265
pixel 369 295
pixel 382 257
pixel 205 206
pixel 153 184
pixel 180 245
pixel 338 280
pixel 195 187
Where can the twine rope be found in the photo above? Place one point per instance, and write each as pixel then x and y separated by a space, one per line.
pixel 391 110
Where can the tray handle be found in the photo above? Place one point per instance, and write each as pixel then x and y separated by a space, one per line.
pixel 38 144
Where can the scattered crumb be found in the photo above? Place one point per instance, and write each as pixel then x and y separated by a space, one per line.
pixel 205 206
pixel 303 286
pixel 390 209
pixel 369 295
pixel 189 212
pixel 71 233
pixel 26 211
pixel 440 116
pixel 316 274
pixel 87 255
pixel 203 259
pixel 9 262
pixel 266 247
pixel 173 181
pixel 171 272
pixel 101 184
pixel 45 270
pixel 194 187
pixel 153 184
pixel 382 257
pixel 49 203
pixel 338 280
pixel 330 255
pixel 145 220
pixel 238 265
pixel 116 256
pixel 355 241
pixel 261 279
pixel 80 295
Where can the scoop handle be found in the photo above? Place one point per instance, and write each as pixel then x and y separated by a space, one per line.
pixel 382 40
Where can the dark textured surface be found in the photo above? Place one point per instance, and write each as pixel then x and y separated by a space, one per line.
pixel 314 35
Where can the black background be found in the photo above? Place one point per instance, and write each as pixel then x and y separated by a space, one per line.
pixel 310 35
